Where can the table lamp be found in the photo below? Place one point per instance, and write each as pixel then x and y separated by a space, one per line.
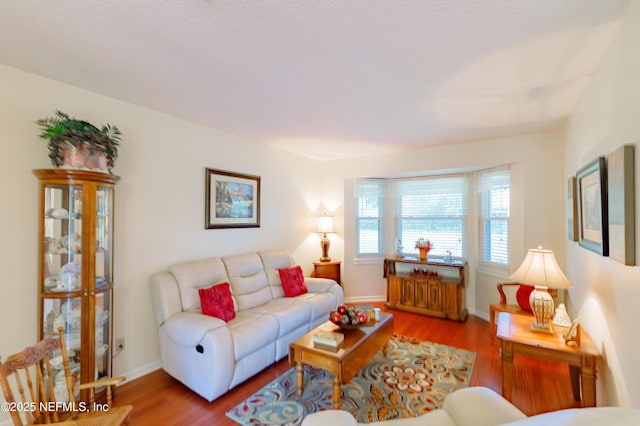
pixel 541 270
pixel 325 225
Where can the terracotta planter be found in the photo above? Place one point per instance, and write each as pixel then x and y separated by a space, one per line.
pixel 82 158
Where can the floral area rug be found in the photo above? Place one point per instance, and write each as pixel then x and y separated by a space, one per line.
pixel 412 379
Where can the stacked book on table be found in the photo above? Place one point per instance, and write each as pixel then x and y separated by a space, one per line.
pixel 328 339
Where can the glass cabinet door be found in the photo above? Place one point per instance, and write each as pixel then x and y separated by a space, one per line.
pixel 66 313
pixel 104 231
pixel 103 334
pixel 63 238
pixel 103 298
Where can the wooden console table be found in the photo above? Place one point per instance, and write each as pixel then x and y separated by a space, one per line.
pixel 430 288
pixel 516 337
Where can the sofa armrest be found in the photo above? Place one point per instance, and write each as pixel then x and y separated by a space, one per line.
pixel 318 285
pixel 480 406
pixel 590 416
pixel 325 285
pixel 188 328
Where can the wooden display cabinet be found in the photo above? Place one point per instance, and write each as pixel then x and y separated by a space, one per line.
pixel 75 264
pixel 429 288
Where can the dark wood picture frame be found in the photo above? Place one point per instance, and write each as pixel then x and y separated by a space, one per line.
pixel 593 222
pixel 622 213
pixel 232 200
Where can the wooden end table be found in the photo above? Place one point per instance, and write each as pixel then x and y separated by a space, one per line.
pixel 357 349
pixel 329 270
pixel 516 337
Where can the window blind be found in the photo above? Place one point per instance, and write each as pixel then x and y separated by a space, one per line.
pixel 434 208
pixel 494 189
pixel 370 216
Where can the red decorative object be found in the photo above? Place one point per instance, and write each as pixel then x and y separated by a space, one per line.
pixel 522 296
pixel 292 281
pixel 216 301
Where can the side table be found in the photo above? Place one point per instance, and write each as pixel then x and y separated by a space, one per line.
pixel 516 337
pixel 329 270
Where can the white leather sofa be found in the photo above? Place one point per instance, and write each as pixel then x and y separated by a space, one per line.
pixel 480 406
pixel 211 356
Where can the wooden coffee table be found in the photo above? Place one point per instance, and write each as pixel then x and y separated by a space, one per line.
pixel 357 349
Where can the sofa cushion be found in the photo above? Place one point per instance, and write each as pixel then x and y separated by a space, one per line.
pixel 248 280
pixel 273 260
pixel 197 274
pixel 290 313
pixel 216 301
pixel 251 331
pixel 292 281
pixel 320 304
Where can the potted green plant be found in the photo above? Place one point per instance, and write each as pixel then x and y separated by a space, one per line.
pixel 78 144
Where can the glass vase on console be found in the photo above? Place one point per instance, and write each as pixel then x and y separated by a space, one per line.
pixel 423 254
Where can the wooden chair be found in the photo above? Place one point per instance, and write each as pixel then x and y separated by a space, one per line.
pixel 514 308
pixel 29 375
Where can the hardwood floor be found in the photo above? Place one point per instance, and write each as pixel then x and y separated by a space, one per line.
pixel 539 386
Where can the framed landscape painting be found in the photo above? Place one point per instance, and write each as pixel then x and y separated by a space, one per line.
pixel 621 194
pixel 232 200
pixel 593 226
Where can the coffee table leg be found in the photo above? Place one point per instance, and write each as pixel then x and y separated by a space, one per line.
pixel 300 378
pixel 337 393
pixel 506 355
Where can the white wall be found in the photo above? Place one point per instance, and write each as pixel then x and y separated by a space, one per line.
pixel 159 214
pixel 536 201
pixel 605 292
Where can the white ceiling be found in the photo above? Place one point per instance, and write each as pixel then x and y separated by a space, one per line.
pixel 324 78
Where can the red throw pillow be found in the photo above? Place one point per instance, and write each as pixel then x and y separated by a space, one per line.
pixel 522 296
pixel 292 281
pixel 216 301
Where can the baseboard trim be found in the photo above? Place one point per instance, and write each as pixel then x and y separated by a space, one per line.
pixel 365 299
pixel 139 372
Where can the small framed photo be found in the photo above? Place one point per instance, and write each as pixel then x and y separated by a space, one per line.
pixel 232 200
pixel 591 185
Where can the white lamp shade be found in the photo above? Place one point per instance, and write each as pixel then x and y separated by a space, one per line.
pixel 539 268
pixel 325 224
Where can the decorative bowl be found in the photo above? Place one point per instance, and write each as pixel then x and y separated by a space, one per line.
pixel 348 326
pixel 347 318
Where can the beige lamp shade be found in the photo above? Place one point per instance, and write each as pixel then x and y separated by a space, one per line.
pixel 325 225
pixel 539 268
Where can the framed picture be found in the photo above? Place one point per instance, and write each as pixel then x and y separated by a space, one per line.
pixel 232 200
pixel 622 229
pixel 572 210
pixel 591 185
